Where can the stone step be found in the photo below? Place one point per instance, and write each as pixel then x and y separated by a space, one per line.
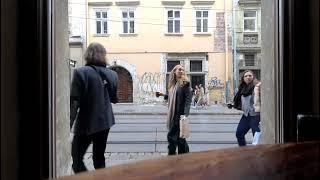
pixel 161 148
pixel 119 128
pixel 162 136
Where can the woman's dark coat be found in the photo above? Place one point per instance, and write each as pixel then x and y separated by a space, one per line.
pixel 183 100
pixel 93 90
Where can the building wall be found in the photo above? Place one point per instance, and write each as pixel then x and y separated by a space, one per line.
pixel 61 74
pixel 145 51
pixel 77 17
pixel 249 47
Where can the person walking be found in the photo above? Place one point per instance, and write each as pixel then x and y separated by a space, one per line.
pixel 93 89
pixel 196 95
pixel 179 101
pixel 201 101
pixel 244 100
pixel 257 107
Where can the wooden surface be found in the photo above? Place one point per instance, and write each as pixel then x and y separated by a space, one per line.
pixel 278 161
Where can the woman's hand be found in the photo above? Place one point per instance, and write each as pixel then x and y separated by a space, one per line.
pixel 159 94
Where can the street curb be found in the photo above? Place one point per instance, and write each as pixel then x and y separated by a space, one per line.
pixel 150 113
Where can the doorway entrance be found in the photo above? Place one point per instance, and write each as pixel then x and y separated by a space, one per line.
pixel 125 89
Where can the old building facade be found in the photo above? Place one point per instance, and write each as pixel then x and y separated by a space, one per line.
pixel 145 39
pixel 248 35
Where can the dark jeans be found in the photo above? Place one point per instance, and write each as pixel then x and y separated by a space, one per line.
pixel 245 124
pixel 80 145
pixel 175 141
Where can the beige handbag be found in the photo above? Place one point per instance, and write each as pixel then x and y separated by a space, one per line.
pixel 184 127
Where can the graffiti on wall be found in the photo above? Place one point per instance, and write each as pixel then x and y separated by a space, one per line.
pixel 214 82
pixel 148 84
pixel 216 90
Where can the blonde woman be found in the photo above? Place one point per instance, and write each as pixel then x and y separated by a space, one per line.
pixel 179 100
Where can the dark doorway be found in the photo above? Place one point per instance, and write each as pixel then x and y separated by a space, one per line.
pixel 197 80
pixel 125 85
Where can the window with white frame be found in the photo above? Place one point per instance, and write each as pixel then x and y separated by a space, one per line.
pixel 101 17
pixel 250 20
pixel 202 21
pixel 128 22
pixel 173 21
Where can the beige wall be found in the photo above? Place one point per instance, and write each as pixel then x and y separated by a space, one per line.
pixel 148 62
pixel 76 53
pixel 144 50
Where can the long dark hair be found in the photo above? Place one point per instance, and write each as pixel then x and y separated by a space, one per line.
pixel 242 83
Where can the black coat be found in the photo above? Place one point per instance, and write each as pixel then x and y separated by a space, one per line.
pixel 183 101
pixel 93 90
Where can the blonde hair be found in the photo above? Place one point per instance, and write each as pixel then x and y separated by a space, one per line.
pixel 172 77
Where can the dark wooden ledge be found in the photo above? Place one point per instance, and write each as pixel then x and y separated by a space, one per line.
pixel 278 161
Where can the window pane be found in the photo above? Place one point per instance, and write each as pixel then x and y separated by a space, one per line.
pixel 98 24
pixel 124 14
pixel 205 13
pixel 131 14
pixel 196 66
pixel 198 25
pixel 177 14
pixel 205 25
pixel 104 14
pixel 177 26
pixel 198 14
pixel 105 27
pixel 98 15
pixel 170 26
pixel 131 27
pixel 249 14
pixel 249 25
pixel 170 14
pixel 125 26
pixel 171 65
pixel 249 59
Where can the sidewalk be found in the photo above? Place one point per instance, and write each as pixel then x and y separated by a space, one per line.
pixel 161 109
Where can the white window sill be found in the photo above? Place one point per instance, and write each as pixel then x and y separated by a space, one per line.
pixel 173 34
pixel 101 35
pixel 202 34
pixel 128 34
pixel 250 32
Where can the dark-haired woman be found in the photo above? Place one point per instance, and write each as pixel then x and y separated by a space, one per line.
pixel 244 100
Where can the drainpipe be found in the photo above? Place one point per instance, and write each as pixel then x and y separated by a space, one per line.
pixel 234 47
pixel 86 19
pixel 226 52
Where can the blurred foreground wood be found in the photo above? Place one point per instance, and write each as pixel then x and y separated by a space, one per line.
pixel 278 161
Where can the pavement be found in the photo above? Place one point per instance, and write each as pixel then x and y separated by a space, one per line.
pixel 140 132
pixel 158 109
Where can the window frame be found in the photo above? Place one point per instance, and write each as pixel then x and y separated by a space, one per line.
pixel 202 20
pixel 128 19
pixel 102 20
pixel 250 18
pixel 173 19
pixel 249 54
pixel 191 62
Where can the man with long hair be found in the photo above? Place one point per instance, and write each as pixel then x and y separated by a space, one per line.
pixel 93 89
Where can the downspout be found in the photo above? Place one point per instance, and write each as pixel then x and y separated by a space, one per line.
pixel 85 44
pixel 234 48
pixel 226 52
